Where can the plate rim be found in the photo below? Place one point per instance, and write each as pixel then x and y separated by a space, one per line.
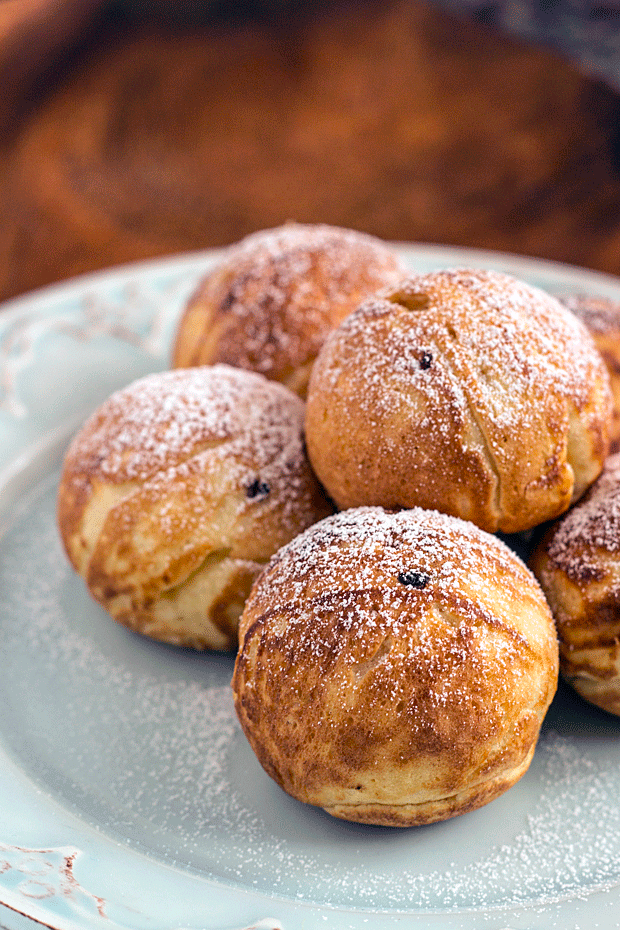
pixel 190 260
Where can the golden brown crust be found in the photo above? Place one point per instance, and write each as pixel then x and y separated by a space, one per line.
pixel 269 304
pixel 177 491
pixel 578 565
pixel 602 319
pixel 425 812
pixel 467 391
pixel 395 668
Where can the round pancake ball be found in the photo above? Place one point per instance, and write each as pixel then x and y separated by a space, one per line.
pixel 177 491
pixel 269 304
pixel 466 391
pixel 578 565
pixel 395 668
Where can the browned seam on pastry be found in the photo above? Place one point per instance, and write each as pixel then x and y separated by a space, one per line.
pixel 611 641
pixel 419 302
pixel 584 669
pixel 138 484
pixel 70 527
pixel 486 443
pixel 406 388
pixel 457 603
pixel 215 555
pixel 412 804
pixel 144 477
pixel 82 475
pixel 471 804
pixel 361 669
pixel 134 485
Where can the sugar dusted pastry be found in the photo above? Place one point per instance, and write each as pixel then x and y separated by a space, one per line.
pixel 394 668
pixel 176 492
pixel 578 565
pixel 269 304
pixel 602 319
pixel 467 391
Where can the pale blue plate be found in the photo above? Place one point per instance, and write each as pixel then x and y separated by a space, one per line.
pixel 128 795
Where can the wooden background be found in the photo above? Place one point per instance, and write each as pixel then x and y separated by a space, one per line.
pixel 143 130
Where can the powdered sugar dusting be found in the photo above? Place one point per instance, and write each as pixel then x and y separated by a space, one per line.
pixel 600 315
pixel 278 292
pixel 592 526
pixel 445 546
pixel 157 422
pixel 374 550
pixel 519 340
pixel 295 248
pixel 200 424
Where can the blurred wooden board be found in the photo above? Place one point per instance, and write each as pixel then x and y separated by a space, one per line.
pixel 388 117
pixel 33 34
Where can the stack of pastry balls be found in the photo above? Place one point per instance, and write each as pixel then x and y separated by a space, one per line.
pixel 316 484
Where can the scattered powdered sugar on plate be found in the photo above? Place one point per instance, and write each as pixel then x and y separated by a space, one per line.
pixel 562 852
pixel 141 739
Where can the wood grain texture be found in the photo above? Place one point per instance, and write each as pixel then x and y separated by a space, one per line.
pixel 33 34
pixel 392 118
